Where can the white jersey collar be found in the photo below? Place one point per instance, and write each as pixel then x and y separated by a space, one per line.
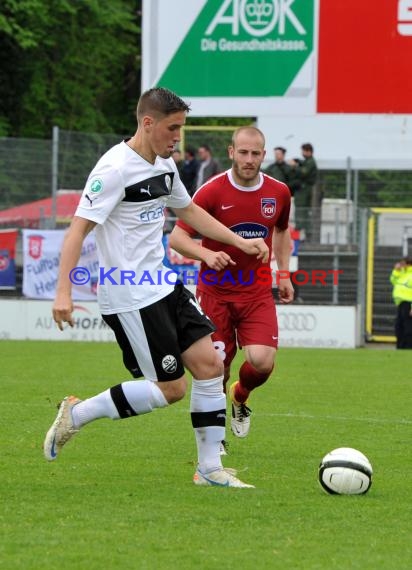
pixel 244 188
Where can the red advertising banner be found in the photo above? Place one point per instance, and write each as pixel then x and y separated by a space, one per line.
pixel 365 55
pixel 7 259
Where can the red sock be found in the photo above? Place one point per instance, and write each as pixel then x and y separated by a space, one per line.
pixel 249 379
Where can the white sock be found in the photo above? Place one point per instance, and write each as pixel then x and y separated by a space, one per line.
pixel 100 406
pixel 141 395
pixel 144 395
pixel 208 411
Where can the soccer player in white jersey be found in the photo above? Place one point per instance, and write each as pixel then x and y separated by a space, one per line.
pixel 158 324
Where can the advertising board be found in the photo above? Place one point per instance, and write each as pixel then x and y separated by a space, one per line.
pixel 334 73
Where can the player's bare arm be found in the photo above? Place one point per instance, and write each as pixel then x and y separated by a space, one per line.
pixel 72 246
pixel 182 242
pixel 281 246
pixel 208 226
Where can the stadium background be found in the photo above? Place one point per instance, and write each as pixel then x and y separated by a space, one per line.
pixel 361 169
pixel 122 495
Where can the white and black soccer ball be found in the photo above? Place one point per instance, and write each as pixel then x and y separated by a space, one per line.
pixel 345 471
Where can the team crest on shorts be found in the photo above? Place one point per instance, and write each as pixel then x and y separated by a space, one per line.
pixel 169 363
pixel 268 207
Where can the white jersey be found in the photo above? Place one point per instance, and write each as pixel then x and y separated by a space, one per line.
pixel 126 196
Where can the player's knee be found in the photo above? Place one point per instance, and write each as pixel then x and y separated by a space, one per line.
pixel 175 390
pixel 263 366
pixel 210 366
pixel 214 367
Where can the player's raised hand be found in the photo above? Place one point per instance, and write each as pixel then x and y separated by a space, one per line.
pixel 62 311
pixel 217 260
pixel 256 246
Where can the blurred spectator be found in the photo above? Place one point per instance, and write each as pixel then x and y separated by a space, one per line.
pixel 304 176
pixel 209 166
pixel 189 170
pixel 279 169
pixel 401 279
pixel 177 157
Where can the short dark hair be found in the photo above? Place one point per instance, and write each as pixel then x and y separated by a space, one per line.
pixel 190 150
pixel 281 148
pixel 160 101
pixel 307 146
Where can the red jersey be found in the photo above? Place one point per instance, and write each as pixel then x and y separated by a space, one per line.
pixel 250 212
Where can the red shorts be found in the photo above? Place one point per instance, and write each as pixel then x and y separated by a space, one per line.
pixel 240 324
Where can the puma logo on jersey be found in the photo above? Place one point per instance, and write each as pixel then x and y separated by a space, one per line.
pixel 146 190
pixel 90 200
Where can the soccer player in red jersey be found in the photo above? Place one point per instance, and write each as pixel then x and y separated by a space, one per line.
pixel 234 289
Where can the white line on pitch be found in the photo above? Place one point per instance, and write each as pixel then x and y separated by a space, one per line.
pixel 332 418
pixel 341 418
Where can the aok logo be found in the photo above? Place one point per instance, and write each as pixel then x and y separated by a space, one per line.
pixel 405 17
pixel 256 17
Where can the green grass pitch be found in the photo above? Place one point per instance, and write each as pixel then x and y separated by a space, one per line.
pixel 121 493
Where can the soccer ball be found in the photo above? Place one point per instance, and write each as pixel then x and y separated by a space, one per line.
pixel 345 471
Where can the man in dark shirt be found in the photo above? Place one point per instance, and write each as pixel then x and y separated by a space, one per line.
pixel 305 172
pixel 189 169
pixel 279 169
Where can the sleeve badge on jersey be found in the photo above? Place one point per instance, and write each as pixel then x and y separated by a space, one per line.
pixel 94 189
pixel 96 186
pixel 268 206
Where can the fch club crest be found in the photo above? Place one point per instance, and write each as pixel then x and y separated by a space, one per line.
pixel 268 206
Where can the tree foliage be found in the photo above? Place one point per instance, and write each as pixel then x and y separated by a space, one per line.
pixel 74 63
